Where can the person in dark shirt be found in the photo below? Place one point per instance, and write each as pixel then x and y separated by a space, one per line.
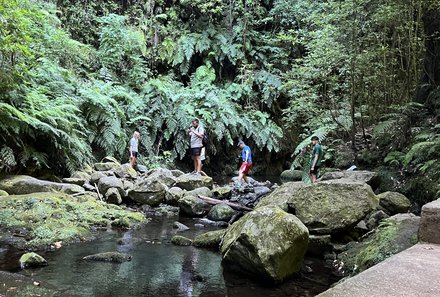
pixel 315 160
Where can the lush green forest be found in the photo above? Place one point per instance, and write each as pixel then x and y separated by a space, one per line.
pixel 77 77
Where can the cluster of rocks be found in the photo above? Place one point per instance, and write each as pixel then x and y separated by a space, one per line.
pixel 270 228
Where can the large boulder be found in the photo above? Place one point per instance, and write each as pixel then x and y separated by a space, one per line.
pixel 163 175
pixel 108 182
pixel 266 243
pixel 193 206
pixel 148 191
pixel 23 184
pixel 394 202
pixel 281 196
pixel 190 182
pixel 78 178
pixel 292 175
pixel 325 207
pixel 394 235
pixel 125 171
pixel 221 212
pixel 430 223
pixel 369 177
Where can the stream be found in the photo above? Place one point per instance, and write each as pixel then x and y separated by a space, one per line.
pixel 158 268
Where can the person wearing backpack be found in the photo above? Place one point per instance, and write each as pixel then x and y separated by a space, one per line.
pixel 196 138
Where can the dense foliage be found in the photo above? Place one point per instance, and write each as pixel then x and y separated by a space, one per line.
pixel 77 77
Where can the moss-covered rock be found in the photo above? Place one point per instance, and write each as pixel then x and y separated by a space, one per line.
pixel 266 243
pixel 23 184
pixel 181 240
pixel 325 207
pixel 3 193
pixel 394 235
pixel 210 239
pixel 292 175
pixel 50 217
pixel 190 182
pixel 221 212
pixel 30 260
pixel 193 206
pixel 222 192
pixel 394 202
pixel 114 257
pixel 280 197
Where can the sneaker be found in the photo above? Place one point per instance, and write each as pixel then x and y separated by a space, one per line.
pixel 194 172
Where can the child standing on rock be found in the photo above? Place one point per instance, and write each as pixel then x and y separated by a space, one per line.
pixel 134 149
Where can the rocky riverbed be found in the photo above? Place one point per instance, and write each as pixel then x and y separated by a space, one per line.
pixel 263 231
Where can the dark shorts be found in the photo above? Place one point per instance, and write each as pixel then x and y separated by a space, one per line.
pixel 315 170
pixel 135 154
pixel 245 167
pixel 196 151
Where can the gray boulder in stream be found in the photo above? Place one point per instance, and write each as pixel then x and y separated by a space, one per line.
pixel 190 181
pixel 23 184
pixel 193 206
pixel 114 257
pixel 164 176
pixel 210 239
pixel 221 212
pixel 148 191
pixel 267 243
pixel 325 207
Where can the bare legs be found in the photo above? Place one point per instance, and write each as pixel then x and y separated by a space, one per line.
pixel 197 163
pixel 133 162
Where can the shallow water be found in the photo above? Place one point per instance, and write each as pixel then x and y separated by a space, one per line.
pixel 158 268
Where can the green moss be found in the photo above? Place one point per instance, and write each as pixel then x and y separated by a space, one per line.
pixel 392 237
pixel 52 217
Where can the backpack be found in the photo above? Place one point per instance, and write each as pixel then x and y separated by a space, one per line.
pixel 205 139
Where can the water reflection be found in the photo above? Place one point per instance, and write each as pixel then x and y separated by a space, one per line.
pixel 158 268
